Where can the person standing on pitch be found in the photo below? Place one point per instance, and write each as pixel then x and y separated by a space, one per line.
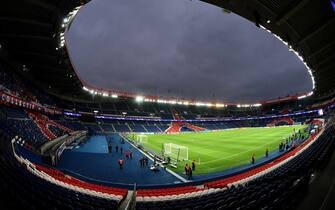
pixel 187 168
pixel 253 159
pixel 193 165
pixel 267 152
pixel 190 173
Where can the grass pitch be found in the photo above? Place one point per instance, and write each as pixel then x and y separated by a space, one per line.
pixel 220 150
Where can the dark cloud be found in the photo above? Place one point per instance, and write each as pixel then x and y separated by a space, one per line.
pixel 181 48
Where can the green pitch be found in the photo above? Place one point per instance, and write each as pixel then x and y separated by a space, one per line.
pixel 224 149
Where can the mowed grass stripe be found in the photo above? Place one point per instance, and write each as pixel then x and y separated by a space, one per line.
pixel 224 149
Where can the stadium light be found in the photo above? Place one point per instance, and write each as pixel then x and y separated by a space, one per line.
pixel 149 100
pixel 114 96
pixel 320 112
pixel 209 104
pixel 309 70
pixel 220 105
pixel 290 48
pixel 248 105
pixel 199 104
pixel 66 21
pixel 139 98
pixel 186 103
pixel 302 97
pixel 161 101
pixel 305 96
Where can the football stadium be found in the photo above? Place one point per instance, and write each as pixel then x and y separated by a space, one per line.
pixel 142 105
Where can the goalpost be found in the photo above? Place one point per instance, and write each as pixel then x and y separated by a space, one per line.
pixel 175 151
pixel 142 139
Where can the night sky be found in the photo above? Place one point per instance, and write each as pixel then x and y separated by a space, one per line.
pixel 181 48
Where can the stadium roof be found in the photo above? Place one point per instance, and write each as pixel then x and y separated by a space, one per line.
pixel 30 36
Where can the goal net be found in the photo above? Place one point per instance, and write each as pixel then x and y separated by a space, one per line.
pixel 142 139
pixel 175 151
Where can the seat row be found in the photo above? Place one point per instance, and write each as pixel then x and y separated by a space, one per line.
pixel 168 191
pixel 60 176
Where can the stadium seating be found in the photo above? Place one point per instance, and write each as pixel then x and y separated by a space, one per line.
pixel 56 130
pixel 168 191
pixel 35 130
pixel 14 84
pixel 49 128
pixel 14 113
pixel 72 124
pixel 154 129
pixel 25 190
pixel 137 128
pixel 108 128
pixel 122 128
pixel 25 129
pixel 285 120
pixel 58 175
pixel 93 128
pixel 176 127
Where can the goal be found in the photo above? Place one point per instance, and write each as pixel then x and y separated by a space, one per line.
pixel 175 151
pixel 142 139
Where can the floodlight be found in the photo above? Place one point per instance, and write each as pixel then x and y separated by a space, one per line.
pixel 139 98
